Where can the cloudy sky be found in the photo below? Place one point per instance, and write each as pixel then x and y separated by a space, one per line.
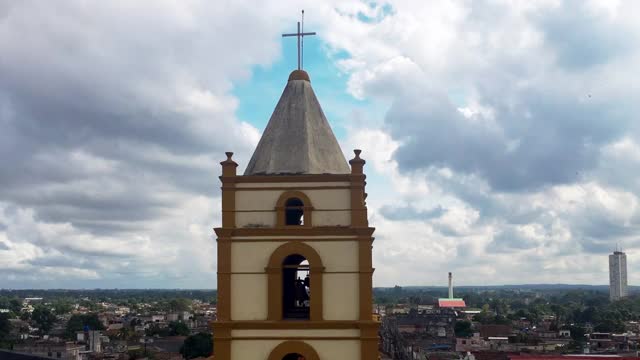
pixel 502 137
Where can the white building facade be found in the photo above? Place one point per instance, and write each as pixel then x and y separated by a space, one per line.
pixel 617 275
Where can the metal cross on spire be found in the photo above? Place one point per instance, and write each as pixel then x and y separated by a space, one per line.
pixel 300 34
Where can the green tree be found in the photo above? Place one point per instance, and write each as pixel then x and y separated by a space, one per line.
pixel 485 316
pixel 179 328
pixel 500 307
pixel 463 329
pixel 180 304
pixel 77 323
pixel 92 306
pixel 381 299
pixel 414 300
pixel 15 306
pixel 125 333
pixel 5 329
pixel 577 333
pixel 197 345
pixel 44 318
pixel 500 320
pixel 610 325
pixel 62 307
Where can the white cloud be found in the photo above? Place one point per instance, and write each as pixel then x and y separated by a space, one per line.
pixel 116 116
pixel 508 153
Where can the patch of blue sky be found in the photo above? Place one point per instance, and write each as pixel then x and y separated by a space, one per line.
pixel 380 10
pixel 259 94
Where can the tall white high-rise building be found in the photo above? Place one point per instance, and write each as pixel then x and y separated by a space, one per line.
pixel 617 275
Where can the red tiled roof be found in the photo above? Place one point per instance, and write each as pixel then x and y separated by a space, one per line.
pixel 448 303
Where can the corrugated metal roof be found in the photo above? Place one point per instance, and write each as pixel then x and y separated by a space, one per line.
pixel 451 303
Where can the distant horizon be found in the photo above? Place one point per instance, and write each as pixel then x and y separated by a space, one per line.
pixel 554 285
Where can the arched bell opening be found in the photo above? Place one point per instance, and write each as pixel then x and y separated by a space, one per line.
pixel 287 263
pixel 293 356
pixel 294 209
pixel 293 350
pixel 296 288
pixel 294 212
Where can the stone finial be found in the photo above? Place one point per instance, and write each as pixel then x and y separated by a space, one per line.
pixel 229 166
pixel 357 163
pixel 299 75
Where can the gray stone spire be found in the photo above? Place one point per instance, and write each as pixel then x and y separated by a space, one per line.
pixel 298 138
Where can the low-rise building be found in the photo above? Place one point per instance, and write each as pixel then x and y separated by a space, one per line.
pixel 52 349
pixel 473 343
pixel 564 333
pixel 91 340
pixel 487 331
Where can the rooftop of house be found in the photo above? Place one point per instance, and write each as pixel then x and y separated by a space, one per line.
pixel 451 303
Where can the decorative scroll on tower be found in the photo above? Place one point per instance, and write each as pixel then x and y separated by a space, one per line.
pixel 294 249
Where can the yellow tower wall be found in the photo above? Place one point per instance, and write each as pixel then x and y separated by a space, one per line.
pixel 253 256
pixel 341 297
pixel 248 297
pixel 335 236
pixel 255 206
pixel 326 349
pixel 249 283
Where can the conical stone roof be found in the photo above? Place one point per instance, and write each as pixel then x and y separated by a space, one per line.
pixel 298 138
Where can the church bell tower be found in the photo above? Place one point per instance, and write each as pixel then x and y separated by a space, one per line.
pixel 294 249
